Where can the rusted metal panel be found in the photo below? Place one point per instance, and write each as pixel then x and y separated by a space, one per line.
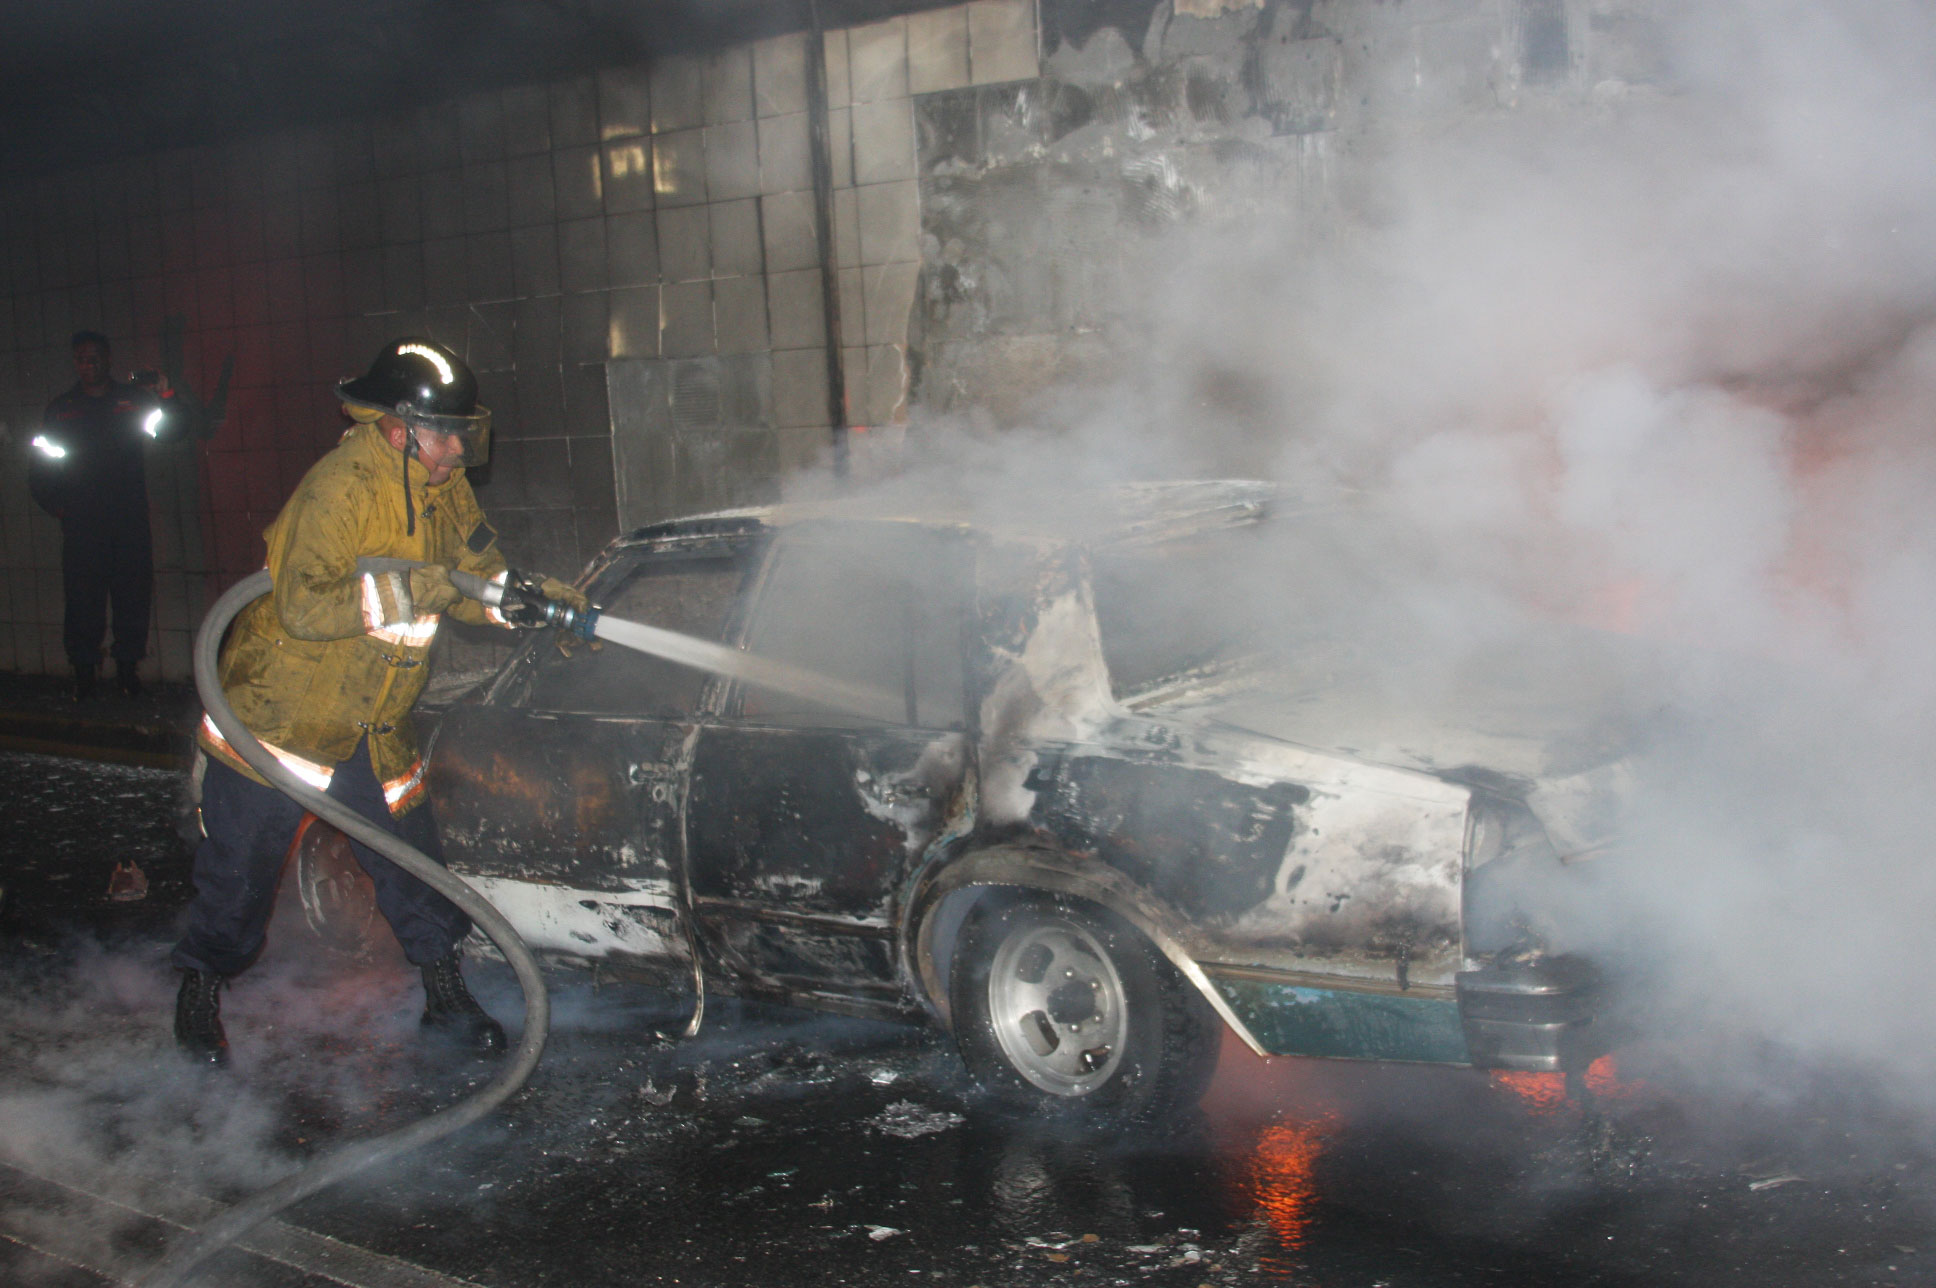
pixel 588 804
pixel 1210 847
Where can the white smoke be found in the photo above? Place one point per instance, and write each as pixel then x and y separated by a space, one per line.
pixel 1657 357
pixel 93 1080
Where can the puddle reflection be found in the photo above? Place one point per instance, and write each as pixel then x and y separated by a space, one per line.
pixel 1284 1180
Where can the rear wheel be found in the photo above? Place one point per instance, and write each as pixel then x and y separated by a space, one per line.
pixel 337 897
pixel 1061 1006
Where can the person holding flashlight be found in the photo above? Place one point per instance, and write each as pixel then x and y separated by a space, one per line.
pixel 87 469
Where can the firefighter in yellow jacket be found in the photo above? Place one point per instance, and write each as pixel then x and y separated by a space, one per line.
pixel 325 670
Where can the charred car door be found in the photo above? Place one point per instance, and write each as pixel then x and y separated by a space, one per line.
pixel 559 796
pixel 807 818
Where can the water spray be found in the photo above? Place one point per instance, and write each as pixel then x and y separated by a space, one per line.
pixel 519 598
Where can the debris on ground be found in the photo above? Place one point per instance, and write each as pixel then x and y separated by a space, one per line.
pixel 1770 1182
pixel 906 1119
pixel 127 883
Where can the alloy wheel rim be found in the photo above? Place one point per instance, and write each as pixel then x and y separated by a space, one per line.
pixel 1059 1008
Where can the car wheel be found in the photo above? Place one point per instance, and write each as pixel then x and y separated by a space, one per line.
pixel 337 897
pixel 1061 1006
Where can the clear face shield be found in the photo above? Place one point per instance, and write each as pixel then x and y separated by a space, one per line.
pixel 453 441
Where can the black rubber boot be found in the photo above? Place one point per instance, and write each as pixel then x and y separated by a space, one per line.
pixel 450 1009
pixel 128 678
pixel 83 683
pixel 198 1018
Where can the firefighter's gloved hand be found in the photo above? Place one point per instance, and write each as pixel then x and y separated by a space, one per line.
pixel 522 605
pixel 430 589
pixel 557 591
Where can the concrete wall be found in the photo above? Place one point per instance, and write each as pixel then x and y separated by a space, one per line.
pixel 1044 202
pixel 628 259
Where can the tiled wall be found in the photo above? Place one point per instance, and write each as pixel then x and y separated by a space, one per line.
pixel 735 396
pixel 646 231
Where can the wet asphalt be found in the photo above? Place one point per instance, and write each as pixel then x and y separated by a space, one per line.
pixel 784 1147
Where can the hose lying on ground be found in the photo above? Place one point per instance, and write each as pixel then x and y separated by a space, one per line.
pixel 175 1267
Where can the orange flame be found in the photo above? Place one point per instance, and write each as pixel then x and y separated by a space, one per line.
pixel 1545 1093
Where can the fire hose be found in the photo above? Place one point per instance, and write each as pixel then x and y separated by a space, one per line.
pixel 518 599
pixel 181 1260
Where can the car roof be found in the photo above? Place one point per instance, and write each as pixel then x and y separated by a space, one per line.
pixel 1126 514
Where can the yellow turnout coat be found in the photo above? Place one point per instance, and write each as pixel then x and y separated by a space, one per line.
pixel 323 661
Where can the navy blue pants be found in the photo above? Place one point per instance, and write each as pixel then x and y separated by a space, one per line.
pixel 238 864
pixel 106 559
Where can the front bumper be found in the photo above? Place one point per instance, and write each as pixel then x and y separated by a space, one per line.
pixel 1535 1016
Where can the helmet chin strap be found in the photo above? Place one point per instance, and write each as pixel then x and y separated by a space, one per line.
pixel 409 506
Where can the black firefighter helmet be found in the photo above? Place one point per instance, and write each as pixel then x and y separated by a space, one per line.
pixel 428 387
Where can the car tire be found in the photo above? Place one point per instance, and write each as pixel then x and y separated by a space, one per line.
pixel 1060 1007
pixel 337 898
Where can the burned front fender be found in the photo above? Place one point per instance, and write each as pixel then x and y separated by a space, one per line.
pixel 1055 873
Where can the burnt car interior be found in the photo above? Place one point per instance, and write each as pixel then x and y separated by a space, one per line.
pixel 692 592
pixel 884 607
pixel 1166 609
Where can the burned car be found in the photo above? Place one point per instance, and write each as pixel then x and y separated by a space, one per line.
pixel 1062 831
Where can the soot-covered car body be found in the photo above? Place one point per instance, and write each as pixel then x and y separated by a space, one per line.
pixel 1053 835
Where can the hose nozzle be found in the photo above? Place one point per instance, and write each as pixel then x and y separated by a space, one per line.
pixel 566 618
pixel 521 601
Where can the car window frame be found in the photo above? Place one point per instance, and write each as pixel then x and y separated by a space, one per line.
pixel 511 689
pixel 730 693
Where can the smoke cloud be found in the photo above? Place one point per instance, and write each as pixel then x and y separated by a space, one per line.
pixel 93 1079
pixel 1660 360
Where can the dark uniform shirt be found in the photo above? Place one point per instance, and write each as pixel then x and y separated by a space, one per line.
pixel 101 477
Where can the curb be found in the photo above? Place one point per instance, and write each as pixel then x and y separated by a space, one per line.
pixel 156 746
